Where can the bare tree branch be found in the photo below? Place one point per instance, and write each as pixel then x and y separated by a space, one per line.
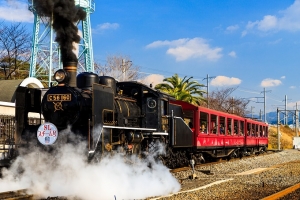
pixel 15 47
pixel 222 101
pixel 119 67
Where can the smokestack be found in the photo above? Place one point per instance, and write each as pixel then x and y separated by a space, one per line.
pixel 71 68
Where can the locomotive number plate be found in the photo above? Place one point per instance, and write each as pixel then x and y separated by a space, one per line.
pixel 59 97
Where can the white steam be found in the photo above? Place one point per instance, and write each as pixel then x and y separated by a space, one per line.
pixel 68 174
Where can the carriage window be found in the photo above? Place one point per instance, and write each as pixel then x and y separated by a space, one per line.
pixel 260 130
pixel 189 118
pixel 214 124
pixel 229 126
pixel 108 117
pixel 236 127
pixel 203 122
pixel 248 129
pixel 189 122
pixel 164 107
pixel 222 125
pixel 253 130
pixel 242 126
pixel 256 130
pixel 266 132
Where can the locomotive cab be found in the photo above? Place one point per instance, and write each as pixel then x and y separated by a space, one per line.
pixel 153 104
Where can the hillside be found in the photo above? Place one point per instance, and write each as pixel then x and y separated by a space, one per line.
pixel 287 135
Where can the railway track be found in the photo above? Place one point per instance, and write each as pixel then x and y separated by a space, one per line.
pixel 16 194
pixel 217 162
pixel 283 193
pixel 273 176
pixel 23 195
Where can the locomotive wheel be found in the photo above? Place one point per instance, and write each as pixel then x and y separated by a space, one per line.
pixel 176 159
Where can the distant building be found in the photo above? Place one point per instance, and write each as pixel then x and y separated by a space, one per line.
pixel 8 93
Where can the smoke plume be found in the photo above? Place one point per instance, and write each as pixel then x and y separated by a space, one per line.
pixel 64 15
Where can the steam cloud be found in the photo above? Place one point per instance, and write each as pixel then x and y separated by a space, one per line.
pixel 65 172
pixel 65 15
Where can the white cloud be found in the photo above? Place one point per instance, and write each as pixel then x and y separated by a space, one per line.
pixel 153 79
pixel 283 77
pixel 106 26
pixel 267 23
pixel 292 105
pixel 186 48
pixel 293 87
pixel 275 41
pixel 232 54
pixel 288 19
pixel 232 28
pixel 225 81
pixel 268 82
pixel 15 11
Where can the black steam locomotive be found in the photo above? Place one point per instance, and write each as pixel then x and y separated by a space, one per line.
pixel 109 115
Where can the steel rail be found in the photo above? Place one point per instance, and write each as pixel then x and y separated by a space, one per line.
pixel 16 194
pixel 283 192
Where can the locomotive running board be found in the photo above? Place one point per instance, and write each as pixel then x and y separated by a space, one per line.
pixel 130 128
pixel 140 129
pixel 160 133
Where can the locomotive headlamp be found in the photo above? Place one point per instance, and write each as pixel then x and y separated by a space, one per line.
pixel 61 76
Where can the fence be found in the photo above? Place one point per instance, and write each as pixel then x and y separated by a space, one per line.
pixel 7 129
pixel 7 134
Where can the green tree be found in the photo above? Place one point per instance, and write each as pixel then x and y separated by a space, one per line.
pixel 183 89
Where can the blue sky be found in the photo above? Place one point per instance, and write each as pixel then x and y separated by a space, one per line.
pixel 249 44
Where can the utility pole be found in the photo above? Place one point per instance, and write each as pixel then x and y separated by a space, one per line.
pixel 232 105
pixel 264 102
pixel 260 115
pixel 285 116
pixel 207 86
pixel 296 121
pixel 265 116
pixel 124 68
pixel 278 130
pixel 252 111
pixel 286 112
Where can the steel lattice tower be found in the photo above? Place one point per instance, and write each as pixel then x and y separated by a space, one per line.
pixel 45 54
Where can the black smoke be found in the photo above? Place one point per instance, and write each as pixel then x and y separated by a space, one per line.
pixel 65 15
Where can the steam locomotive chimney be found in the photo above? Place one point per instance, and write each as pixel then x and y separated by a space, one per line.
pixel 65 15
pixel 71 68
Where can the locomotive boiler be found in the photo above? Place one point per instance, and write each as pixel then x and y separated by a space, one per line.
pixel 109 115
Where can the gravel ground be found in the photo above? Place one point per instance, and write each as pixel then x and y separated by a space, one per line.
pixel 278 171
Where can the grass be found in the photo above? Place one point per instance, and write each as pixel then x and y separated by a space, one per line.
pixel 286 138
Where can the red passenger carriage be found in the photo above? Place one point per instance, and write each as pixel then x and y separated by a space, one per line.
pixel 218 134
